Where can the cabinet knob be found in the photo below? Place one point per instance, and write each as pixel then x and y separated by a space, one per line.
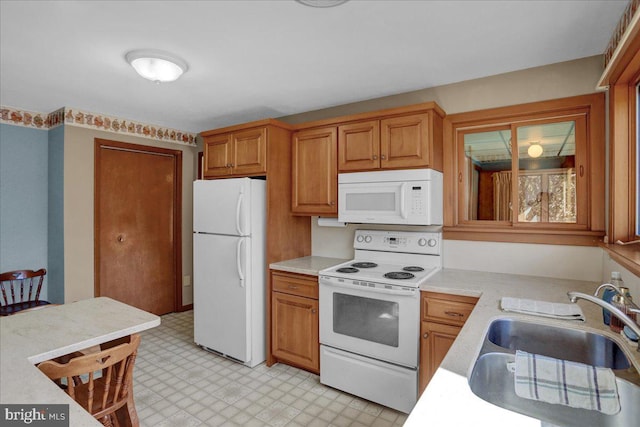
pixel 314 311
pixel 383 157
pixel 425 335
pixel 375 157
pixel 332 203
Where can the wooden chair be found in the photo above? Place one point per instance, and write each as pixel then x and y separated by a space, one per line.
pixel 102 383
pixel 23 287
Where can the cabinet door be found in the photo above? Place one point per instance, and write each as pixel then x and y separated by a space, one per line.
pixel 404 141
pixel 294 330
pixel 435 341
pixel 217 155
pixel 314 174
pixel 249 152
pixel 359 146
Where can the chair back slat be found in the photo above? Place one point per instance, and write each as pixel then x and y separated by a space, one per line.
pixel 21 290
pixel 110 376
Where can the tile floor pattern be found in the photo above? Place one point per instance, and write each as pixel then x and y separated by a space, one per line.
pixel 178 384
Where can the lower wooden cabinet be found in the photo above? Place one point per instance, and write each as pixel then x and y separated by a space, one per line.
pixel 443 316
pixel 295 320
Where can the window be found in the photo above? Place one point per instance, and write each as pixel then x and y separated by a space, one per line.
pixel 527 173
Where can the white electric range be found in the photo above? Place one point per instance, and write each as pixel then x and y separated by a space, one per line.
pixel 369 315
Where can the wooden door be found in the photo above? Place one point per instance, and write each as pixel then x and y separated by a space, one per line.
pixel 359 146
pixel 217 155
pixel 249 152
pixel 137 225
pixel 404 141
pixel 315 174
pixel 436 340
pixel 294 334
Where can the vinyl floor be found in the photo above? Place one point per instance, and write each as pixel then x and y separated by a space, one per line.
pixel 178 384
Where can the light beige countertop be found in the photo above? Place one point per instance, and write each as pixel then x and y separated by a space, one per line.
pixel 309 265
pixel 32 337
pixel 448 400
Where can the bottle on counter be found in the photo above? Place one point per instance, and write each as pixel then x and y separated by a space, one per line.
pixel 623 302
pixel 616 280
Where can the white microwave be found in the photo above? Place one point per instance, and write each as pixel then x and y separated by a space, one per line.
pixel 411 197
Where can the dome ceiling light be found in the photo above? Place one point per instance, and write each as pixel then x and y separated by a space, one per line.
pixel 535 150
pixel 156 65
pixel 322 3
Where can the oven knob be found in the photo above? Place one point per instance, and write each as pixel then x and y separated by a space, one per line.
pixel 367 239
pixel 422 242
pixel 432 242
pixel 360 238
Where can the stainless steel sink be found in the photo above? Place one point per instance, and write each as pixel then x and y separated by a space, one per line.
pixel 492 381
pixel 560 343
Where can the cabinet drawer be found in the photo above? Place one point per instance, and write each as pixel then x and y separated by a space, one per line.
pixel 295 284
pixel 450 309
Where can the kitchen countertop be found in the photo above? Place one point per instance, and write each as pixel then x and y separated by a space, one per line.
pixel 32 337
pixel 448 400
pixel 309 265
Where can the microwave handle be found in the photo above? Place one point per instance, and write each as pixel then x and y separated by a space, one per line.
pixel 403 191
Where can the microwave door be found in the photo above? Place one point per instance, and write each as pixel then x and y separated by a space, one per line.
pixel 379 202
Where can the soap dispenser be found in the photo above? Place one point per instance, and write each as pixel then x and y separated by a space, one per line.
pixel 609 293
pixel 623 302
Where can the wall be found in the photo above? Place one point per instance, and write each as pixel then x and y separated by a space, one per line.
pixel 78 207
pixel 55 225
pixel 536 84
pixel 23 199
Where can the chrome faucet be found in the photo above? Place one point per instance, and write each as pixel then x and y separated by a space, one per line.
pixel 574 296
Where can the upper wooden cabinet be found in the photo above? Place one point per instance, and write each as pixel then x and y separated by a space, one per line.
pixel 240 153
pixel 394 142
pixel 314 175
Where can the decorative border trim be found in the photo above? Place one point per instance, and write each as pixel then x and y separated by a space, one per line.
pixel 14 116
pixel 620 30
pixel 75 117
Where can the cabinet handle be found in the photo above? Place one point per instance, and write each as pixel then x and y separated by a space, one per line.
pixel 453 314
pixel 460 177
pixel 292 287
pixel 581 170
pixel 425 335
pixel 382 157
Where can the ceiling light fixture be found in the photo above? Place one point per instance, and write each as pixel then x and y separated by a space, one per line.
pixel 322 3
pixel 535 150
pixel 156 65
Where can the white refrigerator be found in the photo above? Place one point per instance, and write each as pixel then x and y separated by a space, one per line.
pixel 229 267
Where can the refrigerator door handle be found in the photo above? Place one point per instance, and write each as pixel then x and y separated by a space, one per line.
pixel 238 263
pixel 238 211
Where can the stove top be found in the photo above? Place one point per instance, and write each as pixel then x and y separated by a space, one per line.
pixel 376 272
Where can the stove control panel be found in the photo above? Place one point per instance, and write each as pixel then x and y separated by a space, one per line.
pixel 415 242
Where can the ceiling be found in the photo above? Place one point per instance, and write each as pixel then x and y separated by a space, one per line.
pixel 255 59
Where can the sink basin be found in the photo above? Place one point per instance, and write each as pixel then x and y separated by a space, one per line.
pixel 492 381
pixel 560 343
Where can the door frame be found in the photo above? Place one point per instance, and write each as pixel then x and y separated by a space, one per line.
pixel 177 211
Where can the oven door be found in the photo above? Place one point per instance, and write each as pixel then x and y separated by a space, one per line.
pixel 379 322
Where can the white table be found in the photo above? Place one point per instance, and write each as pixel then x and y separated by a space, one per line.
pixel 35 336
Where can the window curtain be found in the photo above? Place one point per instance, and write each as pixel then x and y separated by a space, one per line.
pixel 502 196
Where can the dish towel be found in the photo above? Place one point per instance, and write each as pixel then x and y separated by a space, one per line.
pixel 553 310
pixel 566 383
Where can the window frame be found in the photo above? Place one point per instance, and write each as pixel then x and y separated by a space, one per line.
pixel 590 226
pixel 621 77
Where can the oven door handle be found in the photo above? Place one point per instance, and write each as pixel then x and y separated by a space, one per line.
pixel 401 292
